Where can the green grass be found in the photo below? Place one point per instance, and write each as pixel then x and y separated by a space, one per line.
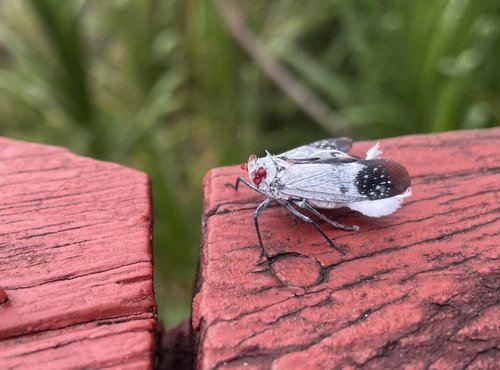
pixel 162 85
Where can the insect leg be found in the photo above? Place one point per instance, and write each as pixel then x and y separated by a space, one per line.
pixel 247 183
pixel 303 217
pixel 303 204
pixel 256 215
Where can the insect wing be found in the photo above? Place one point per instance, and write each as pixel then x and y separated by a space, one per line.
pixel 344 180
pixel 322 181
pixel 342 144
pixel 382 178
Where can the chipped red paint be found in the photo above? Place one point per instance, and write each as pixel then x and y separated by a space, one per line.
pixel 76 261
pixel 417 289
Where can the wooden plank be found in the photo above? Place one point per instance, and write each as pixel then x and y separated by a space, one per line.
pixel 75 261
pixel 418 288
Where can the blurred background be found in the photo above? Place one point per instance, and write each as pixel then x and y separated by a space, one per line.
pixel 176 87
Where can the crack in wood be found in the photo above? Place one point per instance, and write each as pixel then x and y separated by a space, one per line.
pixel 81 339
pixel 77 276
pixel 425 241
pixel 438 268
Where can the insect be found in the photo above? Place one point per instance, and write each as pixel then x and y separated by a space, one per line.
pixel 321 175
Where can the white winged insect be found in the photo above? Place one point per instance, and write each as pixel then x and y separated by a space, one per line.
pixel 321 175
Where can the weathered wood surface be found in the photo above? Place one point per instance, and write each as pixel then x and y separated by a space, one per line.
pixel 75 261
pixel 418 289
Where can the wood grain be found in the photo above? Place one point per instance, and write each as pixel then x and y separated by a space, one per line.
pixel 418 289
pixel 75 261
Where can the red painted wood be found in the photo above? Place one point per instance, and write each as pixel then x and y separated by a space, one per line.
pixel 75 261
pixel 418 288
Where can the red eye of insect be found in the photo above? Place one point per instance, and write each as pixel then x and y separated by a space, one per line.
pixel 259 175
pixel 261 172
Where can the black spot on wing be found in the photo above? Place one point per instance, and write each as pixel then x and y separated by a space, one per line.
pixel 382 178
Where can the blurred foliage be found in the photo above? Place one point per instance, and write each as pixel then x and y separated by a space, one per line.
pixel 162 85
